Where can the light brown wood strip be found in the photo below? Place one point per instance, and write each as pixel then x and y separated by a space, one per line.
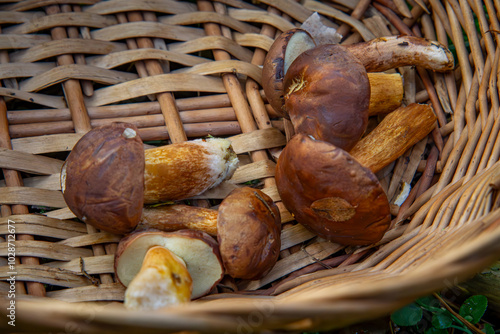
pixel 46 144
pixel 326 10
pixel 160 6
pixel 254 41
pixel 253 171
pixel 60 20
pixel 257 16
pixel 225 66
pixel 21 41
pixel 258 140
pixel 75 71
pixel 43 231
pixel 295 235
pixel 60 47
pixel 45 275
pixel 102 264
pixel 40 99
pixel 11 17
pixel 272 192
pixel 153 85
pixel 103 292
pixel 29 163
pixel 25 5
pixel 91 239
pixel 210 43
pixel 292 8
pixel 116 59
pixel 31 196
pixel 146 29
pixel 64 213
pixel 45 249
pixel 72 227
pixel 204 17
pixel 21 70
pixel 50 182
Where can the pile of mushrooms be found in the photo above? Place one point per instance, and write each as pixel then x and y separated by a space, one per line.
pixel 325 91
pixel 171 253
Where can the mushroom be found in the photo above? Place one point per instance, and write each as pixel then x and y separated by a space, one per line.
pixel 324 92
pixel 248 231
pixel 330 193
pixel 166 268
pixel 282 53
pixel 327 95
pixel 386 89
pixel 108 176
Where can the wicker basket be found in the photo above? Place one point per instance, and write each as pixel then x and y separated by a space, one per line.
pixel 188 69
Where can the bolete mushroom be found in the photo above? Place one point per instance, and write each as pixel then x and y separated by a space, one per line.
pixel 165 268
pixel 327 95
pixel 320 82
pixel 249 233
pixel 330 193
pixel 108 176
pixel 386 89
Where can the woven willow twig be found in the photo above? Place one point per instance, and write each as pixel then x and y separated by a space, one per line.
pixel 182 70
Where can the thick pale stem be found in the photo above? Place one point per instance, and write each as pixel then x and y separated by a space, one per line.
pixel 386 92
pixel 397 132
pixel 384 53
pixel 162 281
pixel 183 170
pixel 177 217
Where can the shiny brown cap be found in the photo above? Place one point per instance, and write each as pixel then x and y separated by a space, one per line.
pixel 248 231
pixel 330 193
pixel 102 179
pixel 327 95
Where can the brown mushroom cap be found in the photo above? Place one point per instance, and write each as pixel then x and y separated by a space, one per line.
pixel 102 179
pixel 330 193
pixel 199 251
pixel 248 231
pixel 327 95
pixel 283 51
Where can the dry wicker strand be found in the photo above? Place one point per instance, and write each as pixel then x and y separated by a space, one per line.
pixel 13 178
pixel 166 100
pixel 73 32
pixel 29 163
pixel 326 10
pixel 470 29
pixel 132 45
pixel 72 89
pixel 462 54
pixel 394 19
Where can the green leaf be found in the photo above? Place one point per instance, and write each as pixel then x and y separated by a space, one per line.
pixel 442 320
pixel 409 315
pixel 488 329
pixel 434 330
pixel 473 308
pixel 428 302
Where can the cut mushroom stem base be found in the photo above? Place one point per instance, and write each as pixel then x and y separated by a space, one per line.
pixel 162 281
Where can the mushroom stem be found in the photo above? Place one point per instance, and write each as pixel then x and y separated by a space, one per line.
pixel 177 217
pixel 162 281
pixel 386 92
pixel 384 53
pixel 183 170
pixel 395 134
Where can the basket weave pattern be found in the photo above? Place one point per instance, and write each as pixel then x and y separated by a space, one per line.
pixel 187 69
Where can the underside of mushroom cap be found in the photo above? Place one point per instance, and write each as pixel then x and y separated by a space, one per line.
pixel 199 251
